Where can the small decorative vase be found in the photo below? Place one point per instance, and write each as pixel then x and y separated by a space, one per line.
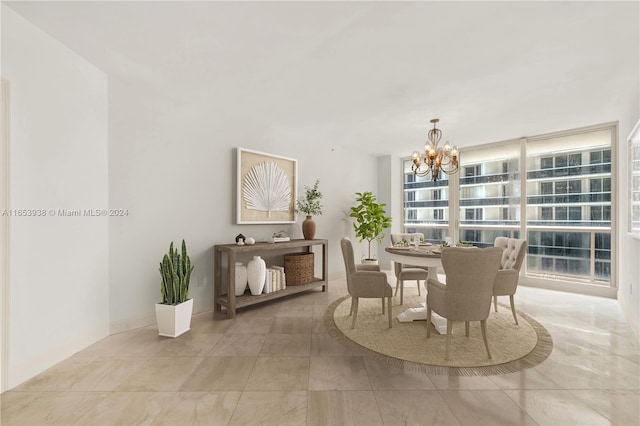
pixel 256 274
pixel 309 228
pixel 241 278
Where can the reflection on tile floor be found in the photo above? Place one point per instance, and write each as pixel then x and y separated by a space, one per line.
pixel 276 364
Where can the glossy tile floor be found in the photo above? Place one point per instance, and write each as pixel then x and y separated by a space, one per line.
pixel 275 364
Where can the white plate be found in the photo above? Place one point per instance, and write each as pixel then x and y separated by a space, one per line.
pixel 400 248
pixel 436 251
pixel 425 244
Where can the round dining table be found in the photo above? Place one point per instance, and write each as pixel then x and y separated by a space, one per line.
pixel 427 256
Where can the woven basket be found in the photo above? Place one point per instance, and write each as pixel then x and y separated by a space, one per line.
pixel 298 268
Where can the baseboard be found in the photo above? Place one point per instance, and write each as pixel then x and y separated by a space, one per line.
pixel 571 287
pixel 148 319
pixel 628 315
pixel 21 372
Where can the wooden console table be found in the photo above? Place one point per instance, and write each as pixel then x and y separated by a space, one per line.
pixel 232 251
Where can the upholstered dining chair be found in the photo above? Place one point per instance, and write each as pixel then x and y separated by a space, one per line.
pixel 513 252
pixel 407 272
pixel 366 281
pixel 466 296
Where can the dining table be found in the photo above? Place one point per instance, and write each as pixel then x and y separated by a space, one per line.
pixel 427 256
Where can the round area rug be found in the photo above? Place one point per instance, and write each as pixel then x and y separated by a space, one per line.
pixel 405 345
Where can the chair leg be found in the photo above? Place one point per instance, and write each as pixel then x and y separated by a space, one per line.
pixel 428 322
pixel 483 327
pixel 449 329
pixel 466 328
pixel 401 292
pixel 383 306
pixel 397 285
pixel 355 312
pixel 495 303
pixel 390 312
pixel 352 304
pixel 513 308
pixel 418 284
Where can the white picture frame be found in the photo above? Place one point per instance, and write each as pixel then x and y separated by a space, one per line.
pixel 266 188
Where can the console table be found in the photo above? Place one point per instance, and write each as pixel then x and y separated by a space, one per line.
pixel 232 302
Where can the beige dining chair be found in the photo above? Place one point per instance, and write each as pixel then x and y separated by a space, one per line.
pixel 407 272
pixel 366 281
pixel 513 252
pixel 466 296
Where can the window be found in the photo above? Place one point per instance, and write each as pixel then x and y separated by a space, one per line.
pixel 575 214
pixel 561 161
pixel 567 188
pixel 473 171
pixel 561 214
pixel 574 187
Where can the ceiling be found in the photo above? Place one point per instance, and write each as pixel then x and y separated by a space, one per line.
pixel 373 72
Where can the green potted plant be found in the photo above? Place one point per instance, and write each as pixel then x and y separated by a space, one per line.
pixel 173 314
pixel 370 219
pixel 310 205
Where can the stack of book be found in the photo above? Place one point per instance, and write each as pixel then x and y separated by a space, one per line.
pixel 275 279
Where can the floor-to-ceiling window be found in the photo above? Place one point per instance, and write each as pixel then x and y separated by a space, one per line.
pixel 426 205
pixel 490 194
pixel 554 190
pixel 569 206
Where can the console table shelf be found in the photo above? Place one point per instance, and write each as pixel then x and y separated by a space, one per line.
pixel 232 302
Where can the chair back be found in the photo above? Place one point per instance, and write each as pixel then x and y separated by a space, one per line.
pixel 396 238
pixel 349 259
pixel 513 252
pixel 470 274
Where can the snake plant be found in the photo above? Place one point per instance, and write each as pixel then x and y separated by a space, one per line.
pixel 175 270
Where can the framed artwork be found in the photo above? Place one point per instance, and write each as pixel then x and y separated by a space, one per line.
pixel 634 182
pixel 266 188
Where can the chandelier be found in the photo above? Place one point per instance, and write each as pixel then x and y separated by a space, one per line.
pixel 435 159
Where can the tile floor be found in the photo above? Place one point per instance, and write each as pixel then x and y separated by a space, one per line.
pixel 275 364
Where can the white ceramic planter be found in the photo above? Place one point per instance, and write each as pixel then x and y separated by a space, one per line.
pixel 256 274
pixel 174 320
pixel 241 278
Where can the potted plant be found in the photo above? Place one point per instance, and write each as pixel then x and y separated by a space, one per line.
pixel 310 206
pixel 174 312
pixel 370 220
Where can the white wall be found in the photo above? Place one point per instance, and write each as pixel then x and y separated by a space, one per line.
pixel 628 247
pixel 172 164
pixel 59 265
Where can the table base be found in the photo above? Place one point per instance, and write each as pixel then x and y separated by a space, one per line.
pixel 420 314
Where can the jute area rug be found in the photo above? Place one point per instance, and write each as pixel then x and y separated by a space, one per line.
pixel 405 345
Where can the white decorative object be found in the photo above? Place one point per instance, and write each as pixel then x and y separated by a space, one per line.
pixel 256 274
pixel 250 241
pixel 241 278
pixel 174 320
pixel 266 188
pixel 240 242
